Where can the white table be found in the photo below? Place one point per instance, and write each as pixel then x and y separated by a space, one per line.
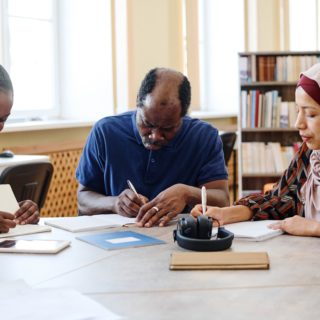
pixel 137 283
pixel 22 159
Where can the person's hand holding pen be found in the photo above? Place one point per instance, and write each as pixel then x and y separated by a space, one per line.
pixel 129 202
pixel 214 212
pixel 164 207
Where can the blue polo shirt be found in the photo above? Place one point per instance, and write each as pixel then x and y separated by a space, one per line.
pixel 114 153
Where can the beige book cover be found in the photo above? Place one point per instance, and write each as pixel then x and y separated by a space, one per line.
pixel 218 260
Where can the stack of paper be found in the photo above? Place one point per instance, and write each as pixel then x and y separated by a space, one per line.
pixel 49 304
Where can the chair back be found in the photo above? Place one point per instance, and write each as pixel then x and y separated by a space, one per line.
pixel 228 140
pixel 29 181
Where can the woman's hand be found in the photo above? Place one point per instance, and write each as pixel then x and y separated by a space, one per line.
pixel 215 213
pixel 298 226
pixel 28 213
pixel 225 215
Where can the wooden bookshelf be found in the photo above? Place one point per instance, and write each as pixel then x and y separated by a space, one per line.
pixel 267 114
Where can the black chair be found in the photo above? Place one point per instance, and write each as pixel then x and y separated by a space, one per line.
pixel 228 140
pixel 29 181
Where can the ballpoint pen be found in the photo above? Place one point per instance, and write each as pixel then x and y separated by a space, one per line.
pixel 204 199
pixel 132 188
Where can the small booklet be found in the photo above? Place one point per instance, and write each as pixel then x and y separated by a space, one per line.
pixel 89 223
pixel 119 240
pixel 252 230
pixel 218 260
pixel 32 246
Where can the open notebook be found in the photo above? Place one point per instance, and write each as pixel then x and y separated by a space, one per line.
pixel 89 223
pixel 252 230
pixel 9 204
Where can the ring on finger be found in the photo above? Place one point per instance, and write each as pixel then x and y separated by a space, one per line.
pixel 156 208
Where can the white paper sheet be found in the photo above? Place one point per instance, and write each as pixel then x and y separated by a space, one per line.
pixel 8 202
pixel 19 301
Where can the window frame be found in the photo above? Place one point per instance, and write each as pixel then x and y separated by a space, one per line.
pixel 33 114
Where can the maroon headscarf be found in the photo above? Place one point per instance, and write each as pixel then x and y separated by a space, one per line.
pixel 310 82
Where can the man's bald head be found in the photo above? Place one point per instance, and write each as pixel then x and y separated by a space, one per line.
pixel 166 87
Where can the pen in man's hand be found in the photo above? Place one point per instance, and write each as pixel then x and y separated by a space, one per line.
pixel 132 188
pixel 204 199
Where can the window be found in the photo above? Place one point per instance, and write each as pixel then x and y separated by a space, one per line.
pixel 29 31
pixel 221 32
pixel 59 56
pixel 303 25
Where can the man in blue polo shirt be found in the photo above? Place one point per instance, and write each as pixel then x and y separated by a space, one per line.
pixel 167 155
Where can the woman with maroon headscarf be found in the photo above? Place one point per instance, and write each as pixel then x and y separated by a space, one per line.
pixel 295 199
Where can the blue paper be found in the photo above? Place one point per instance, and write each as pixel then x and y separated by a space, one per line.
pixel 120 239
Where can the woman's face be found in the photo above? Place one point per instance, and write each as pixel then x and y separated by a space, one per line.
pixel 6 101
pixel 308 120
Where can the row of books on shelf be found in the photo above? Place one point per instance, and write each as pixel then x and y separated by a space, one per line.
pixel 274 68
pixel 266 158
pixel 266 110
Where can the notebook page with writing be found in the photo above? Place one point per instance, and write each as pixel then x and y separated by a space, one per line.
pixel 252 230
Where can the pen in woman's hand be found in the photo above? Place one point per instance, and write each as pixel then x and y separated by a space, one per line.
pixel 204 199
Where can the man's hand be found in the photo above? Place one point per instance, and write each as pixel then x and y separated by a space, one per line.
pixel 6 222
pixel 128 204
pixel 298 226
pixel 165 206
pixel 28 213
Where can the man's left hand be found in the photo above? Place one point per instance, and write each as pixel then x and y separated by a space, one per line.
pixel 167 205
pixel 28 213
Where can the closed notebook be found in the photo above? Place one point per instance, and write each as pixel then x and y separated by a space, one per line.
pixel 119 240
pixel 218 260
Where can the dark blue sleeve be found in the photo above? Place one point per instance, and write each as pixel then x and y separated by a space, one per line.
pixel 91 169
pixel 214 167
